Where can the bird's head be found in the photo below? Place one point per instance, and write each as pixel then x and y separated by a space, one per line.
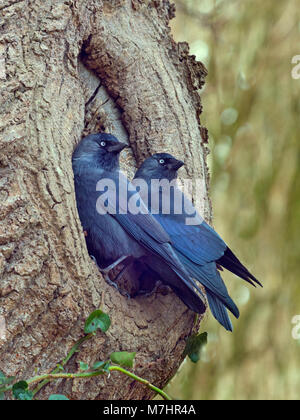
pixel 101 150
pixel 159 166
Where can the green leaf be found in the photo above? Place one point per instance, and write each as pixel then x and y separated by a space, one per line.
pixel 101 366
pixel 83 366
pixel 57 397
pixel 60 367
pixel 1 396
pixel 20 391
pixel 123 358
pixel 194 345
pixel 97 320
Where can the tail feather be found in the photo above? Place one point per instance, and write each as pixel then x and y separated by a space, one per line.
pixel 195 301
pixel 219 311
pixel 210 278
pixel 233 264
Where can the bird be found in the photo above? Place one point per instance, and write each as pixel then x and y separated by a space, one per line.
pixel 198 246
pixel 114 234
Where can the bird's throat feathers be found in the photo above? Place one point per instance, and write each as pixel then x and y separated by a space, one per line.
pixel 108 163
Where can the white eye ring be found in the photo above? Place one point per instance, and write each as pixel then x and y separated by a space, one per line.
pixel 162 161
pixel 103 144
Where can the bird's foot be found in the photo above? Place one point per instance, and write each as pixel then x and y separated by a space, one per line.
pixel 114 284
pixel 109 273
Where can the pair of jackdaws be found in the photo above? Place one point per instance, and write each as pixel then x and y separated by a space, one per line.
pixel 151 242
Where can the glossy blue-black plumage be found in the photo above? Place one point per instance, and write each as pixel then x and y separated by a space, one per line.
pixel 198 246
pixel 112 235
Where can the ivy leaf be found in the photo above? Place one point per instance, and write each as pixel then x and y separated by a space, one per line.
pixel 21 392
pixel 57 397
pixel 194 345
pixel 83 366
pixel 123 358
pixel 101 366
pixel 97 320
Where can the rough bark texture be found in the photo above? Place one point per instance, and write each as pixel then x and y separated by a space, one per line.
pixel 68 68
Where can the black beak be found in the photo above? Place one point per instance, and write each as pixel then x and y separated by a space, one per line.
pixel 117 147
pixel 175 164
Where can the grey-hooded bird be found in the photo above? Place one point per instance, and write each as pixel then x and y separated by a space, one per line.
pixel 199 248
pixel 114 233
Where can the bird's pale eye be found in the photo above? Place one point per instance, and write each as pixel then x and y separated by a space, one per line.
pixel 161 161
pixel 103 144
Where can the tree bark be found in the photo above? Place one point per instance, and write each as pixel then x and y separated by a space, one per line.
pixel 68 68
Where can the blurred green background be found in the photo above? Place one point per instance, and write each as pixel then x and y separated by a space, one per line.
pixel 251 107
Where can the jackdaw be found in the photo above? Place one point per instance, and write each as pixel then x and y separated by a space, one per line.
pixel 200 249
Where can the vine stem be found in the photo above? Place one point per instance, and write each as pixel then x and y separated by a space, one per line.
pixel 43 380
pixel 63 375
pixel 73 350
pixel 142 381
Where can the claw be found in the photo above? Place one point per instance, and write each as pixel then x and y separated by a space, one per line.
pixel 94 259
pixel 105 271
pixel 111 283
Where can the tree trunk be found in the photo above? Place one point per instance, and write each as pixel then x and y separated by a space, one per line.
pixel 68 68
